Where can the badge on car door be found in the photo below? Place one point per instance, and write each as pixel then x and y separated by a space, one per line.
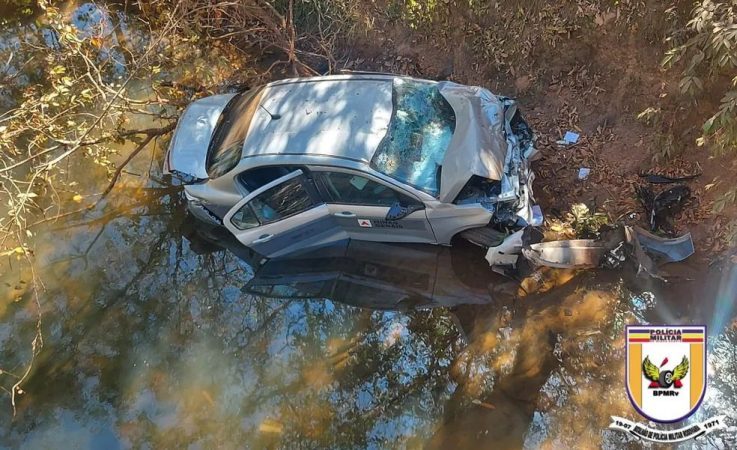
pixel 364 223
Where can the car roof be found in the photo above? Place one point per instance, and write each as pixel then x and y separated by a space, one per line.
pixel 342 116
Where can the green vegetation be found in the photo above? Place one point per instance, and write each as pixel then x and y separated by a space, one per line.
pixel 76 85
pixel 68 88
pixel 706 50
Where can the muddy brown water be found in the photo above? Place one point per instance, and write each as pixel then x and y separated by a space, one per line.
pixel 154 338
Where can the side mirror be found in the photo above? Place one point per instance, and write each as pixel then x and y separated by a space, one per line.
pixel 397 211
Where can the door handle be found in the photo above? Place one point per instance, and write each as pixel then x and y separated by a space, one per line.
pixel 347 214
pixel 263 238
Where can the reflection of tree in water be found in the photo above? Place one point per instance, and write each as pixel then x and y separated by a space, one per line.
pixel 546 373
pixel 149 343
pixel 384 375
pixel 587 386
pixel 721 394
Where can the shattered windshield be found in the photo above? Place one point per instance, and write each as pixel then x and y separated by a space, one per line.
pixel 420 130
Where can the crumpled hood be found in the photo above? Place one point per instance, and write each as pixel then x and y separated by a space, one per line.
pixel 188 148
pixel 479 145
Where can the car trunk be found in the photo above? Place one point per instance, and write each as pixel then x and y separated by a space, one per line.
pixel 187 155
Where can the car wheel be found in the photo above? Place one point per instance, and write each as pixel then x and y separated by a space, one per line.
pixel 483 236
pixel 665 380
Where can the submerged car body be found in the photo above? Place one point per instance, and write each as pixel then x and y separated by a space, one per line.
pixel 302 163
pixel 380 276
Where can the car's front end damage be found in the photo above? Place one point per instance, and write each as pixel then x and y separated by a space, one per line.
pixel 488 161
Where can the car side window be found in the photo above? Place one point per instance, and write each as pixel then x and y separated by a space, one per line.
pixel 245 218
pixel 274 204
pixel 350 189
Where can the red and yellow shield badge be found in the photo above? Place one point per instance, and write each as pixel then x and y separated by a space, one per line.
pixel 666 370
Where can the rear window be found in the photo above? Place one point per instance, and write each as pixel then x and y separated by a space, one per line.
pixel 226 145
pixel 420 130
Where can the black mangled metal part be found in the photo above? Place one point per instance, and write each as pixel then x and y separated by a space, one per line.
pixel 660 207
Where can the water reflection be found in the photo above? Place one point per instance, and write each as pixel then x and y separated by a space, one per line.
pixel 151 343
pixel 373 275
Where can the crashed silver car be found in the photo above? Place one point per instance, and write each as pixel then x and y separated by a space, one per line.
pixel 301 163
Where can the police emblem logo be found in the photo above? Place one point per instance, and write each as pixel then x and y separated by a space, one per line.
pixel 666 370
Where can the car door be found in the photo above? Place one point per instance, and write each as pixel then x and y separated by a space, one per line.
pixel 360 204
pixel 283 216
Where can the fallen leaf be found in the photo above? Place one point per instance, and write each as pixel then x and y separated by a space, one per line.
pixel 270 426
pixel 483 404
pixel 208 397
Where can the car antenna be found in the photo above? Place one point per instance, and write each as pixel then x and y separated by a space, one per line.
pixel 273 116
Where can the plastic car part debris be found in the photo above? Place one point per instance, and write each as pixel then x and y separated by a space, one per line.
pixel 644 263
pixel 507 252
pixel 660 207
pixel 665 250
pixel 570 254
pixel 606 252
pixel 645 244
pixel 664 179
pixel 570 137
pixel 669 201
pixel 610 252
pixel 614 257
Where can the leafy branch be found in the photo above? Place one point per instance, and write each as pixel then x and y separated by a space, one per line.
pixel 707 51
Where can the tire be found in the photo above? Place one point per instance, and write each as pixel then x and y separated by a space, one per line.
pixel 666 379
pixel 483 236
